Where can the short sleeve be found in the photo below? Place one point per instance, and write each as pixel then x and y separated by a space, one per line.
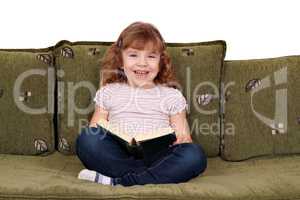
pixel 176 102
pixel 102 98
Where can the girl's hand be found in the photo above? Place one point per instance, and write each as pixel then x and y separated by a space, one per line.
pixel 183 139
pixel 181 127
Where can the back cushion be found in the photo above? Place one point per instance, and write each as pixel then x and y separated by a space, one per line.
pixel 198 68
pixel 27 101
pixel 261 107
pixel 78 70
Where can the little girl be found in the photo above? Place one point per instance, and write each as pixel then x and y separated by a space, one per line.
pixel 138 92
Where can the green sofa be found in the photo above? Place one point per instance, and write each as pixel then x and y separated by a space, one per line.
pixel 244 113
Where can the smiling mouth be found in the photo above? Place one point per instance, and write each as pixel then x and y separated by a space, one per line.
pixel 141 72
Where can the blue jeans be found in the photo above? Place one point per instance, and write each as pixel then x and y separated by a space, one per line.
pixel 100 152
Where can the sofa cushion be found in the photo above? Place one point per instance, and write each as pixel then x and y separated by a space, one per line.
pixel 27 101
pixel 78 74
pixel 198 69
pixel 55 177
pixel 261 107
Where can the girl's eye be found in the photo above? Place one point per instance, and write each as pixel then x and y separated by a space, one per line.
pixel 132 55
pixel 152 56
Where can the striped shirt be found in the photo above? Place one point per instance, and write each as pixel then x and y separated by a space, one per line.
pixel 137 110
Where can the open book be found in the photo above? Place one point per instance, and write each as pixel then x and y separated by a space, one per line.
pixel 143 144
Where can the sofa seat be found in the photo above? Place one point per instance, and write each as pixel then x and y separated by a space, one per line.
pixel 55 177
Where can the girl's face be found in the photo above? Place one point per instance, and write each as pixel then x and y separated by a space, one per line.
pixel 140 66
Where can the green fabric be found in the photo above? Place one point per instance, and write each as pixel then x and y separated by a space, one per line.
pixel 195 63
pixel 78 66
pixel 198 68
pixel 24 131
pixel 55 177
pixel 253 135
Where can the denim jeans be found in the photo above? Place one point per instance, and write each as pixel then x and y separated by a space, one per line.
pixel 100 152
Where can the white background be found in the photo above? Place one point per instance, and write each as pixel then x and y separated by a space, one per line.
pixel 252 28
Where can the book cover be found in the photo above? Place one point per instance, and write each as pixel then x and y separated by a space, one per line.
pixel 143 145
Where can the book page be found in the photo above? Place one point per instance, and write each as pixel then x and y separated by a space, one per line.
pixel 114 130
pixel 139 137
pixel 154 134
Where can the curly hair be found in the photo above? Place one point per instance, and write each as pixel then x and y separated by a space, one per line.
pixel 137 35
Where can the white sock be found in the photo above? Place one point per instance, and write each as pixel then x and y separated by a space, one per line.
pixel 94 176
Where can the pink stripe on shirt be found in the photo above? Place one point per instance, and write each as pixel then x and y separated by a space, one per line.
pixel 138 110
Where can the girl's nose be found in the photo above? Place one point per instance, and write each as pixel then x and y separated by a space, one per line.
pixel 142 61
